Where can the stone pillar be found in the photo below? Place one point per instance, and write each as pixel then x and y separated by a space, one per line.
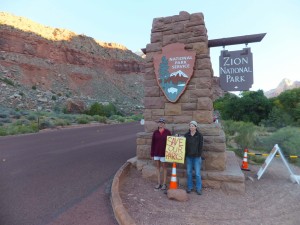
pixel 196 103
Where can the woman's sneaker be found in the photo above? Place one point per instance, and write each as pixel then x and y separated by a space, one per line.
pixel 164 187
pixel 158 186
pixel 199 192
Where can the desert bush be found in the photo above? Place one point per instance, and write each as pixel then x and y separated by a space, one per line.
pixel 118 118
pixel 45 123
pixel 287 139
pixel 244 134
pixel 3 131
pixel 57 109
pixel 22 129
pixel 102 110
pixel 16 114
pixel 277 119
pixel 31 117
pixel 4 114
pixel 22 122
pixel 83 119
pixel 101 119
pixel 61 122
pixel 7 81
pixel 5 120
pixel 24 112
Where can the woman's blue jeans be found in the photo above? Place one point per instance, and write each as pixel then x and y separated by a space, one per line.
pixel 193 163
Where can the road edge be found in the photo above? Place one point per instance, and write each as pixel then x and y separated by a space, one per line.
pixel 120 212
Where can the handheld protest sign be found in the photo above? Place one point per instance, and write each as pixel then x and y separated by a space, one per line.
pixel 175 149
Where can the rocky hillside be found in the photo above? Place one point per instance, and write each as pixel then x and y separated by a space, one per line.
pixel 49 67
pixel 284 85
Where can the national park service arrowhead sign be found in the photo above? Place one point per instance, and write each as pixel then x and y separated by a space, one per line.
pixel 174 69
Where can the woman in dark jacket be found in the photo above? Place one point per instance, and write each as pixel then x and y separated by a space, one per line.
pixel 158 150
pixel 193 151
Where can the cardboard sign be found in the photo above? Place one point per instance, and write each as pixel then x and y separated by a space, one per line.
pixel 175 149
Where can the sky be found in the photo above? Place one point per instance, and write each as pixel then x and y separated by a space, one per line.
pixel 129 23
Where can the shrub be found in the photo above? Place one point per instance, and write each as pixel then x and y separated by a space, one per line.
pixel 287 139
pixel 102 110
pixel 243 133
pixel 4 114
pixel 101 119
pixel 31 117
pixel 16 115
pixel 277 118
pixel 24 113
pixel 22 129
pixel 96 109
pixel 7 81
pixel 45 124
pixel 3 131
pixel 57 109
pixel 83 119
pixel 117 118
pixel 61 122
pixel 6 120
pixel 22 122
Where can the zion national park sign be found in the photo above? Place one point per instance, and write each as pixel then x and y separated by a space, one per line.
pixel 174 69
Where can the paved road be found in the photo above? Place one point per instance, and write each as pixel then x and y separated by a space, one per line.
pixel 62 176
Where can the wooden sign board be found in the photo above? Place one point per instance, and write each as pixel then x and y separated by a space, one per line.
pixel 175 149
pixel 236 70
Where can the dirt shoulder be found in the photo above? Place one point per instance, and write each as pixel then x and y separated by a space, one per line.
pixel 273 199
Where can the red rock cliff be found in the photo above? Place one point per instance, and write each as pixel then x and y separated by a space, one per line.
pixel 66 65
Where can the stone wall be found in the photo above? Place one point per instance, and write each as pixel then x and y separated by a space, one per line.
pixel 197 101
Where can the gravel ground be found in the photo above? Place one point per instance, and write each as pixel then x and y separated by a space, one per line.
pixel 273 199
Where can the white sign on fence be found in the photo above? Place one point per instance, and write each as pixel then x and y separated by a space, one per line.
pixel 276 149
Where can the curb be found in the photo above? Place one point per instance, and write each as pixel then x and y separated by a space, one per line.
pixel 120 212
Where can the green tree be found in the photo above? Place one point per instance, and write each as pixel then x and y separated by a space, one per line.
pixel 289 102
pixel 164 70
pixel 96 109
pixel 285 109
pixel 109 110
pixel 251 106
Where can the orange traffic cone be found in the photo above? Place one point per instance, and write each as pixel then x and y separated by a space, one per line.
pixel 173 182
pixel 245 161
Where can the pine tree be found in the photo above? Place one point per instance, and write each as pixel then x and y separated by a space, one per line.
pixel 164 70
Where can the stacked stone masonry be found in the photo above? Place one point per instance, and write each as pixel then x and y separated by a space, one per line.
pixel 196 103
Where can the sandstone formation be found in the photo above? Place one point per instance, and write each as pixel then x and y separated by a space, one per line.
pixel 38 62
pixel 284 85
